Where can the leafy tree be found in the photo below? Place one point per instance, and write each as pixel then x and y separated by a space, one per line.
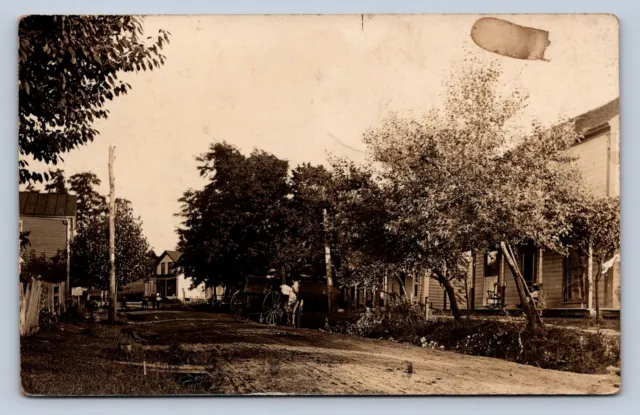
pixel 90 250
pixel 68 69
pixel 255 214
pixel 90 203
pixel 597 230
pixel 234 226
pixel 303 248
pixel 56 183
pixel 464 179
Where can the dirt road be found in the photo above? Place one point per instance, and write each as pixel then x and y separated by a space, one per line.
pixel 255 358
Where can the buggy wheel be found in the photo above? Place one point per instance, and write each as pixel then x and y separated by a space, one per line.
pixel 272 308
pixel 237 305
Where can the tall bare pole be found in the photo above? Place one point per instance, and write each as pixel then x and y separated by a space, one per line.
pixel 327 258
pixel 113 294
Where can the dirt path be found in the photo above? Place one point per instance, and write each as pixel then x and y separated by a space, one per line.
pixel 255 358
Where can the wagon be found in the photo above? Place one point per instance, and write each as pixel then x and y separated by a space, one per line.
pixel 261 297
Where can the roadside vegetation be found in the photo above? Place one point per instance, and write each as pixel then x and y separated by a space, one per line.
pixel 561 348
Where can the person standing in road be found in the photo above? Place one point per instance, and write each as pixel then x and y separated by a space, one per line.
pixel 292 303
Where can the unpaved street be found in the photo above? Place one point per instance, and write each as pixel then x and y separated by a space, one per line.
pixel 255 358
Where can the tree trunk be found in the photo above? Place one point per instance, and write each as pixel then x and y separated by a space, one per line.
pixel 596 291
pixel 467 296
pixel 113 294
pixel 455 311
pixel 526 301
pixel 327 259
pixel 403 290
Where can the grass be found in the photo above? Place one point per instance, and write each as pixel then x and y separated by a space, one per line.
pixel 84 359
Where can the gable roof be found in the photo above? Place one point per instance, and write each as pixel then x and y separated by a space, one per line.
pixel 47 204
pixel 598 117
pixel 173 255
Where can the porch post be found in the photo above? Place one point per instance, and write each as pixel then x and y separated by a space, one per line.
pixel 539 270
pixel 501 283
pixel 357 295
pixel 385 284
pixel 426 287
pixel 590 281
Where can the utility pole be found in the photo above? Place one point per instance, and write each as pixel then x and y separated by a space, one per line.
pixel 327 258
pixel 113 294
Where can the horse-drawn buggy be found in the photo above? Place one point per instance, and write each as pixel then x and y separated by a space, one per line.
pixel 272 302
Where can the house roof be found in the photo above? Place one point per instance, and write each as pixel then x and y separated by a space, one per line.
pixel 597 117
pixel 47 204
pixel 174 255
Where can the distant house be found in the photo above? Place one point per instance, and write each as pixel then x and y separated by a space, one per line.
pixel 170 282
pixel 567 281
pixel 50 220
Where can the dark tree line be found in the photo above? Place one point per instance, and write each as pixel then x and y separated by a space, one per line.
pixel 254 214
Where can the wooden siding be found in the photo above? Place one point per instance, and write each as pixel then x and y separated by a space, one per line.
pixel 479 289
pixel 436 295
pixel 47 235
pixel 553 281
pixel 166 261
pixel 592 158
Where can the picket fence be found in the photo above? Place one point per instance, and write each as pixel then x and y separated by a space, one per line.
pixel 37 295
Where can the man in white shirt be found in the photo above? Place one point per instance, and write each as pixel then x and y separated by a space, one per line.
pixel 292 304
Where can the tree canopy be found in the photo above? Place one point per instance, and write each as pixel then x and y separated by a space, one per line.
pixel 68 70
pixel 464 179
pixel 90 250
pixel 90 203
pixel 254 214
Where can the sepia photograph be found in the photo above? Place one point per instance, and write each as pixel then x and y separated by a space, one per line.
pixel 333 205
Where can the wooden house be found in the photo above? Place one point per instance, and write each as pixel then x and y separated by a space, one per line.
pixel 170 282
pixel 50 220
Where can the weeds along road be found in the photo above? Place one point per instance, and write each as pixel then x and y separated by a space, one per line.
pixel 252 358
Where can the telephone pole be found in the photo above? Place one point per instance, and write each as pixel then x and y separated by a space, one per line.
pixel 113 294
pixel 327 258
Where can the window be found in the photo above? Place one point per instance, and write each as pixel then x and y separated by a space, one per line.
pixel 492 264
pixel 575 270
pixel 415 285
pixel 169 267
pixel 162 269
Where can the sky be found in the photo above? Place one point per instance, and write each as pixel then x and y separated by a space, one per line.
pixel 304 86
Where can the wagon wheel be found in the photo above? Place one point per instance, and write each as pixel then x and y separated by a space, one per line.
pixel 237 305
pixel 272 308
pixel 298 317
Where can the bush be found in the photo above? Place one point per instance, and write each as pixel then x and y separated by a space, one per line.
pixel 401 321
pixel 560 349
pixel 47 320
